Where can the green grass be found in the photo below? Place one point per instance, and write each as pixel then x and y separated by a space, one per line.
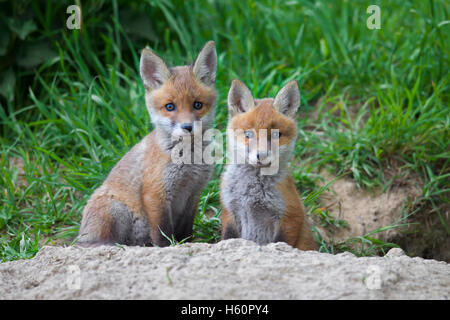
pixel 373 101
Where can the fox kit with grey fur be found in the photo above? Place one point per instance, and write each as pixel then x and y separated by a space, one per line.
pixel 263 207
pixel 147 197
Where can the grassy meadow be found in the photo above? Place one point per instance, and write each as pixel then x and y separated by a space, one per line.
pixel 374 106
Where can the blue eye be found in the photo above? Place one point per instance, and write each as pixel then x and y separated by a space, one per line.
pixel 170 107
pixel 198 105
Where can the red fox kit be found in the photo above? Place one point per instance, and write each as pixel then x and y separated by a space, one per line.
pixel 146 196
pixel 263 207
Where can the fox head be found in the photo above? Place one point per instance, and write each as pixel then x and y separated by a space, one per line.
pixel 179 96
pixel 264 130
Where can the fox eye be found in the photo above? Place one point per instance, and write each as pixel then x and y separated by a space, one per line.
pixel 170 107
pixel 249 134
pixel 198 105
pixel 275 135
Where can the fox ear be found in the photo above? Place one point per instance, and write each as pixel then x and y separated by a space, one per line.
pixel 206 64
pixel 287 100
pixel 240 98
pixel 154 71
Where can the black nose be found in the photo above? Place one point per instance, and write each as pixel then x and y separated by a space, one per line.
pixel 187 126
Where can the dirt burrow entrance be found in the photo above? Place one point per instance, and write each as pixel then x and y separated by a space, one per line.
pixel 364 211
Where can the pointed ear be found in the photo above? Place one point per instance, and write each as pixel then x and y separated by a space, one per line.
pixel 287 100
pixel 206 64
pixel 240 98
pixel 154 71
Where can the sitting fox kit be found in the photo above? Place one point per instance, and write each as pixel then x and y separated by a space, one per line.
pixel 147 198
pixel 258 207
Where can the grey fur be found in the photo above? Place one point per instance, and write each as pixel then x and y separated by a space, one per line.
pixel 253 199
pixel 183 184
pixel 128 228
pixel 254 202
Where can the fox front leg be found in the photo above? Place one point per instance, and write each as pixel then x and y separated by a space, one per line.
pixel 185 223
pixel 162 232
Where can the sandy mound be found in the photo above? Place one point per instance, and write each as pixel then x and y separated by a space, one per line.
pixel 232 269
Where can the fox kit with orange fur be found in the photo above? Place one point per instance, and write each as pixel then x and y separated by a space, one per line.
pixel 147 197
pixel 256 206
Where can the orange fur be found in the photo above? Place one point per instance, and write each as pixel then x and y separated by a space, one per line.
pixel 225 217
pixel 294 225
pixel 182 89
pixel 264 116
pixel 153 194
